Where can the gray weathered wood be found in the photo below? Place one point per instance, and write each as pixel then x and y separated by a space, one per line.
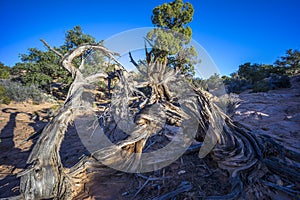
pixel 233 147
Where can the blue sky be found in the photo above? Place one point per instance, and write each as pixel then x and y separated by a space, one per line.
pixel 231 31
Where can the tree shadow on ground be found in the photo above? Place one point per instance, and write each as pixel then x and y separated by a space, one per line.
pixel 15 158
pixel 72 149
pixel 12 156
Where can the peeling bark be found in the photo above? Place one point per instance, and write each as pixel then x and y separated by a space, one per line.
pixel 238 151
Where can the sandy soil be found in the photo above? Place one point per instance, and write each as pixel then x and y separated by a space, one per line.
pixel 17 122
pixel 275 113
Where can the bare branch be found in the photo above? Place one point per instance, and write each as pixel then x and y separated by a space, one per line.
pixel 148 55
pixel 66 61
pixel 81 49
pixel 69 57
pixel 183 187
pixel 82 63
pixel 141 84
pixel 146 182
pixel 132 60
pixel 91 78
pixel 148 41
pixel 248 158
pixel 51 48
pixel 135 64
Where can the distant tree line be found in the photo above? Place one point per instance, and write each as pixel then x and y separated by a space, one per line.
pixel 41 69
pixel 257 77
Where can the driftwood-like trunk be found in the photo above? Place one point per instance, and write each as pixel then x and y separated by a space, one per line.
pixel 238 151
pixel 46 177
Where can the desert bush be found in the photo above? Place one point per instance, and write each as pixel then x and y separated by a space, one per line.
pixel 258 77
pixel 214 82
pixel 4 71
pixel 3 98
pixel 4 74
pixel 274 81
pixel 102 86
pixel 17 92
pixel 262 86
pixel 236 85
pixel 290 62
pixel 280 81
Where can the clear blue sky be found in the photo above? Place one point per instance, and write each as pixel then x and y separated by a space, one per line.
pixel 232 31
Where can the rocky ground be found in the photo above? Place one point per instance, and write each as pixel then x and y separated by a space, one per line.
pixel 275 113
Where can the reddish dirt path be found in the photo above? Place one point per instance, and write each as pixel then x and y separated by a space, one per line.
pixel 17 122
pixel 275 113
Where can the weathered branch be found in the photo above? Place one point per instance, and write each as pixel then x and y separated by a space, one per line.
pixel 81 66
pixel 51 48
pixel 45 177
pixel 133 61
pixel 233 148
pixel 135 64
pixel 96 76
pixel 68 58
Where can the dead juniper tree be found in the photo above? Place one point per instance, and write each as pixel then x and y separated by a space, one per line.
pixel 143 105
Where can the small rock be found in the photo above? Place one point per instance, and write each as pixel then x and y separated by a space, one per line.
pixel 125 193
pixel 288 117
pixel 181 172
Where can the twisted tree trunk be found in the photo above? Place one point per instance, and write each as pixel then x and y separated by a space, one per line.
pixel 45 177
pixel 172 100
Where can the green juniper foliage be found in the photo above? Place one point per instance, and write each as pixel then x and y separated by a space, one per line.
pixel 170 40
pixel 4 71
pixel 42 68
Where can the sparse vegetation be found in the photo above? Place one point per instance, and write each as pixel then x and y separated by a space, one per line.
pixel 255 77
pixel 14 91
pixel 4 71
pixel 261 77
pixel 42 68
pixel 3 97
pixel 290 62
pixel 163 100
pixel 143 109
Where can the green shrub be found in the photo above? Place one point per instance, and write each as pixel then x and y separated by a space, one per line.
pixel 2 90
pixel 101 85
pixel 4 74
pixel 236 85
pixel 214 82
pixel 6 100
pixel 262 86
pixel 17 92
pixel 274 81
pixel 280 81
pixel 4 71
pixel 199 83
pixel 3 98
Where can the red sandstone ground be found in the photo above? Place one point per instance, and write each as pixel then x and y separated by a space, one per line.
pixel 275 113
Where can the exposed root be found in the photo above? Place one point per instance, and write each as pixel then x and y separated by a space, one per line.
pixel 143 112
